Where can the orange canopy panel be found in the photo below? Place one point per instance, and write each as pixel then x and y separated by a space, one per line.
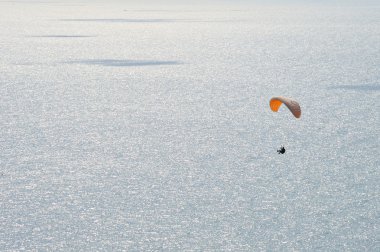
pixel 294 107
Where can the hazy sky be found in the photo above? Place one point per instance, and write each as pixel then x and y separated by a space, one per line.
pixel 214 3
pixel 207 2
pixel 356 2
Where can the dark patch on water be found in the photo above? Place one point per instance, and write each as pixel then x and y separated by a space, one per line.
pixel 364 87
pixel 149 20
pixel 60 36
pixel 121 20
pixel 123 63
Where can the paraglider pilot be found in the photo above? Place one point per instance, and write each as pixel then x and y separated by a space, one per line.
pixel 281 150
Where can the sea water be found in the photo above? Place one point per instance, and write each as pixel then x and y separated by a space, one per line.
pixel 143 128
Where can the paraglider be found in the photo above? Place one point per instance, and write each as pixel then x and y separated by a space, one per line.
pixel 294 107
pixel 281 150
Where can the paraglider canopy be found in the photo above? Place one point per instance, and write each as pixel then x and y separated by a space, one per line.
pixel 294 107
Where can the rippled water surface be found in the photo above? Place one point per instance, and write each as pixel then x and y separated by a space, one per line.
pixel 140 129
